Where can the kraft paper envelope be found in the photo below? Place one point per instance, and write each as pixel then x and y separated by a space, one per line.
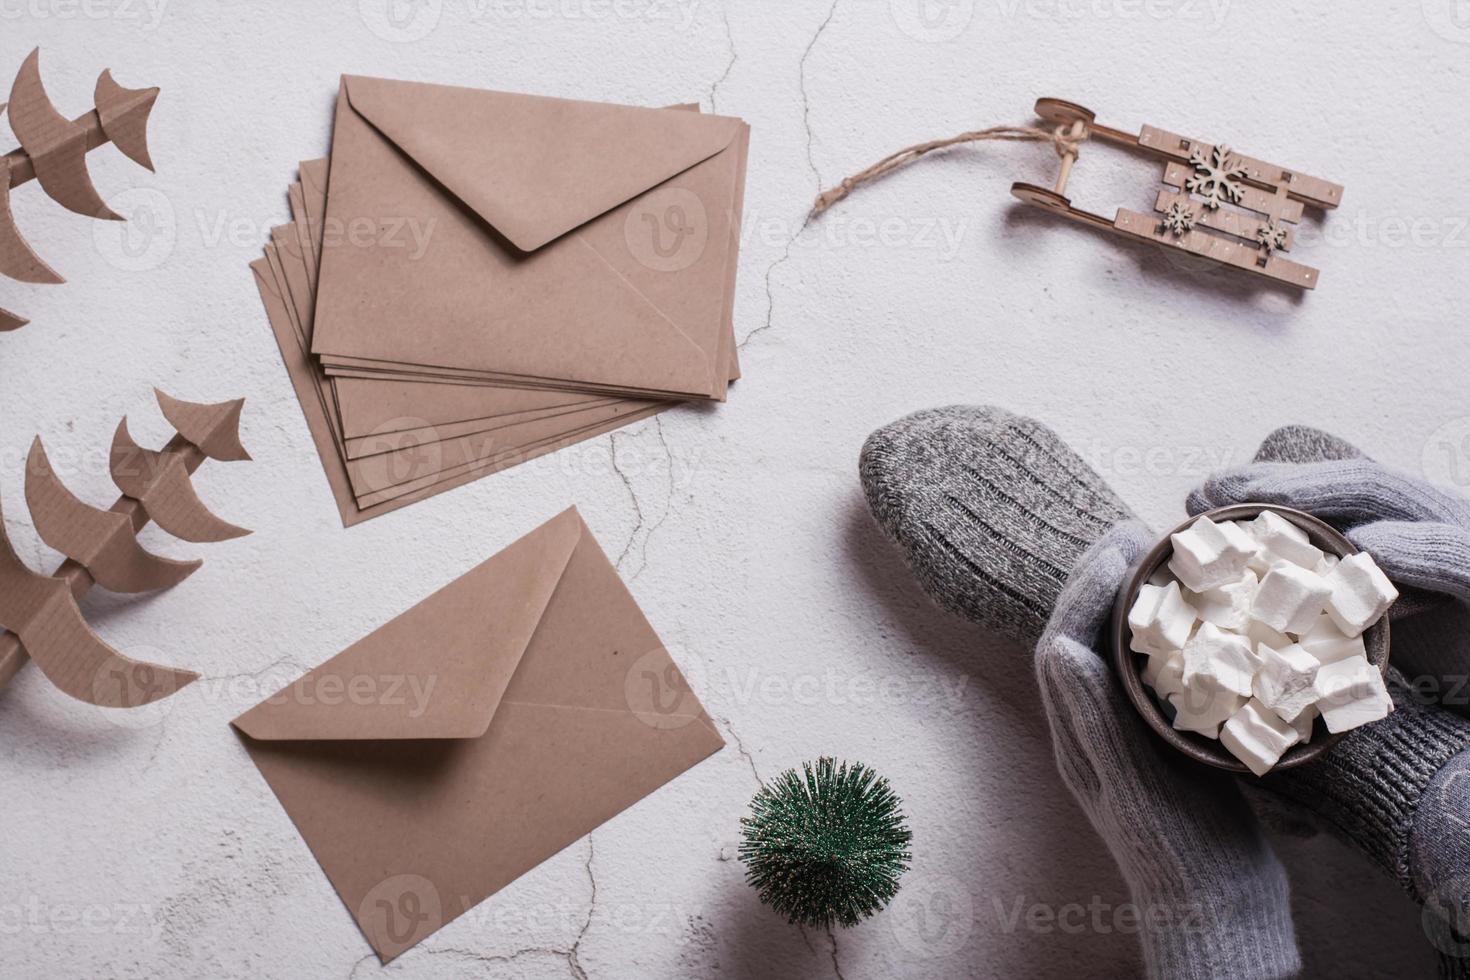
pixel 410 401
pixel 561 243
pixel 508 413
pixel 397 464
pixel 501 422
pixel 308 204
pixel 490 726
pixel 429 437
pixel 445 412
pixel 313 392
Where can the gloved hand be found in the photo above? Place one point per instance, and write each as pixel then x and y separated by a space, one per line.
pixel 1003 523
pixel 1418 533
pixel 1213 899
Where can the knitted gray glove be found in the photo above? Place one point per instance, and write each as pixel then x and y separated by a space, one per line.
pixel 1420 535
pixel 1003 523
pixel 1213 899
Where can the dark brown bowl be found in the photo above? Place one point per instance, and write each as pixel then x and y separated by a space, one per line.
pixel 1129 664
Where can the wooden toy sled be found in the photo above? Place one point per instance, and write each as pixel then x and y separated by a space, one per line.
pixel 1217 204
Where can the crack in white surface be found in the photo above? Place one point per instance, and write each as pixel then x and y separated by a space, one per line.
pixel 573 960
pixel 254 674
pixel 157 750
pixel 806 112
pixel 740 747
pixel 836 966
pixel 663 441
pixel 641 522
pixel 570 954
pixel 612 448
pixel 714 89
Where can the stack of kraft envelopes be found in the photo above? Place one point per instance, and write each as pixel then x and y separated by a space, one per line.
pixel 475 278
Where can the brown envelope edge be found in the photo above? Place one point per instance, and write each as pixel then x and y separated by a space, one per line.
pixel 491 457
pixel 312 400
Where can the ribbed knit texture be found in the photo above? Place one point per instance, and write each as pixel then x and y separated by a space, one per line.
pixel 991 510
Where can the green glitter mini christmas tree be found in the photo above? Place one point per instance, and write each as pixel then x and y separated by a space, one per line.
pixel 828 846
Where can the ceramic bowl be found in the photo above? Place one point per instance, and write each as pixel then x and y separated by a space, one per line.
pixel 1130 665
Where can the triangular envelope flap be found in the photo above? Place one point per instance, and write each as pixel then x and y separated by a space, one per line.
pixel 596 650
pixel 437 670
pixel 536 167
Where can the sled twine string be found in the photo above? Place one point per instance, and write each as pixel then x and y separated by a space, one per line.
pixel 1065 139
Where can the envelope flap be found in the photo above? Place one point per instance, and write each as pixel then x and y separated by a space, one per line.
pixel 437 671
pixel 531 166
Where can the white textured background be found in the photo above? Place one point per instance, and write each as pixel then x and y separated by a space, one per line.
pixel 145 844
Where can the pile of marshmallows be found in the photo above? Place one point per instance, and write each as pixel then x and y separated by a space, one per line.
pixel 1265 634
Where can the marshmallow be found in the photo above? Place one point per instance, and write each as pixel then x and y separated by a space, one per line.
pixel 1258 632
pixel 1204 711
pixel 1284 682
pixel 1281 540
pixel 1215 660
pixel 1165 673
pixel 1327 564
pixel 1351 693
pixel 1257 737
pixel 1229 606
pixel 1304 723
pixel 1290 597
pixel 1160 620
pixel 1208 555
pixel 1329 644
pixel 1361 593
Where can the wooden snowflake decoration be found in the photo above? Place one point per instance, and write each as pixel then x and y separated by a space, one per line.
pixel 1271 237
pixel 1217 177
pixel 1179 218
